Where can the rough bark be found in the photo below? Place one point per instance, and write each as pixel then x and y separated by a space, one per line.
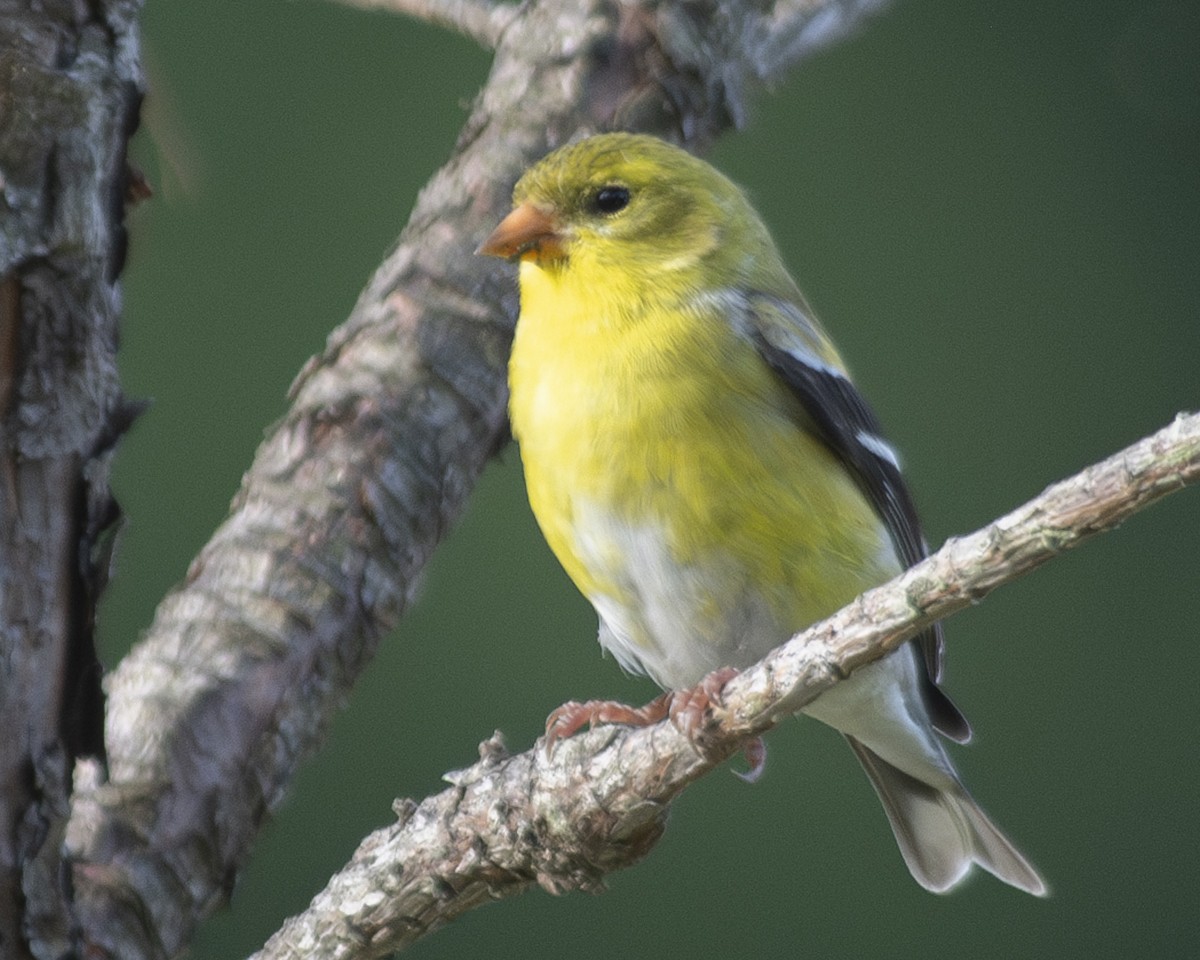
pixel 70 85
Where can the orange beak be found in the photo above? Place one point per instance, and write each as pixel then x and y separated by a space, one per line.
pixel 527 233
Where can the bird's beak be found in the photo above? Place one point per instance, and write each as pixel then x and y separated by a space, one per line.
pixel 529 232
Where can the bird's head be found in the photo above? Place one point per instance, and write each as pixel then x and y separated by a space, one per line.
pixel 626 202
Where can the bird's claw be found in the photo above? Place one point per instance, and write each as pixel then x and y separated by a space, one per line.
pixel 688 710
pixel 573 716
pixel 755 752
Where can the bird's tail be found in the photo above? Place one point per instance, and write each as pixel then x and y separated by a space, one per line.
pixel 941 832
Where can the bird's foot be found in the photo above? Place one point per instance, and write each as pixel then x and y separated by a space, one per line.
pixel 573 716
pixel 687 709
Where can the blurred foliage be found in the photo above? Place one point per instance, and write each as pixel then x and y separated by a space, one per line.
pixel 995 208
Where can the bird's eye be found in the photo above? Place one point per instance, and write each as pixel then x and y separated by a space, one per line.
pixel 610 199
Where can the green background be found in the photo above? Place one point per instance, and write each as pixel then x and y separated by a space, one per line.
pixel 995 208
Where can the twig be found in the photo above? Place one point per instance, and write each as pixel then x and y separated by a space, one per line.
pixel 597 806
pixel 796 28
pixel 480 20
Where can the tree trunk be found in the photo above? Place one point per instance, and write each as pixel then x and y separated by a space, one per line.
pixel 70 85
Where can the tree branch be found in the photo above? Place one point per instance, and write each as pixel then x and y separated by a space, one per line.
pixel 796 28
pixel 480 20
pixel 599 803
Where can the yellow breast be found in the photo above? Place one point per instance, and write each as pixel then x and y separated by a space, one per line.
pixel 661 417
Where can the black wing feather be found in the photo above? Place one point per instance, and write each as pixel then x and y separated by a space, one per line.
pixel 852 431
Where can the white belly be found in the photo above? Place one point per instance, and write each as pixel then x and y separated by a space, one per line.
pixel 674 621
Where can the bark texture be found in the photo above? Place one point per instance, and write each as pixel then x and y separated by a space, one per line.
pixel 70 86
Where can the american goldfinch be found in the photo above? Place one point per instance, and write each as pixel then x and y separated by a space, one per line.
pixel 706 471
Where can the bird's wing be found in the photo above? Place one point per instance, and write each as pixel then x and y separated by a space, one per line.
pixel 790 341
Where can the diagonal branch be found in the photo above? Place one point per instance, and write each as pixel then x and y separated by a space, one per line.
pixel 598 805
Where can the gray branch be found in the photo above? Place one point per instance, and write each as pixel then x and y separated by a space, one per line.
pixel 480 20
pixel 599 804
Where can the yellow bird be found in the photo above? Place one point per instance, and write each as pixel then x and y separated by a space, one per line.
pixel 707 473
